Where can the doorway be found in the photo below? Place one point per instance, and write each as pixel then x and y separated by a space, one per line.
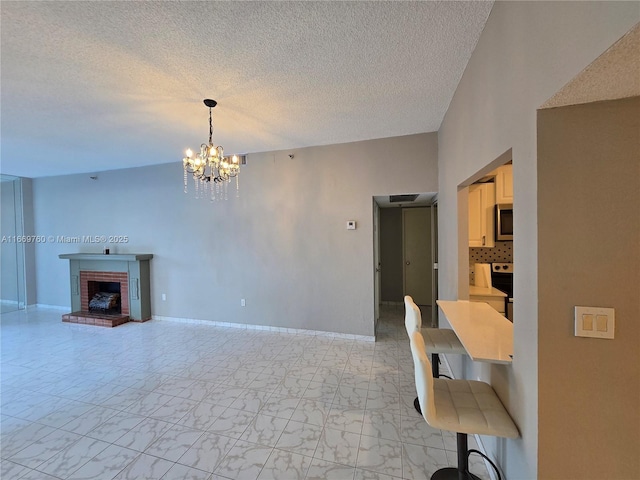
pixel 404 242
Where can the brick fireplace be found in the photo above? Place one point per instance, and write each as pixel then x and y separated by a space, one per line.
pixel 127 274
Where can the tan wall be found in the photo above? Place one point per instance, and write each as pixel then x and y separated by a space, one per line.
pixel 589 254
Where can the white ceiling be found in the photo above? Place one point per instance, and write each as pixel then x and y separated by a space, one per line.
pixel 91 86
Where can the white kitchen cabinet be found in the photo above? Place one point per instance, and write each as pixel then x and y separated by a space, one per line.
pixel 504 184
pixel 482 199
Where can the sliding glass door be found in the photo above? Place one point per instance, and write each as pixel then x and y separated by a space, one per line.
pixel 12 279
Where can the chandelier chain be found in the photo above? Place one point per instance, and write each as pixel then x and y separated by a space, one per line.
pixel 210 128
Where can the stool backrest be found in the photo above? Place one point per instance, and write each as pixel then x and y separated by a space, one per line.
pixel 412 316
pixel 423 375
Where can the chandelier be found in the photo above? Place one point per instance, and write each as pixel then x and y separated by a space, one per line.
pixel 211 170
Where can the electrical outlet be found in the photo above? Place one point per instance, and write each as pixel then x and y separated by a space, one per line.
pixel 243 303
pixel 164 297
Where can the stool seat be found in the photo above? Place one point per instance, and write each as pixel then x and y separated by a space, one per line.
pixel 468 406
pixel 464 406
pixel 442 340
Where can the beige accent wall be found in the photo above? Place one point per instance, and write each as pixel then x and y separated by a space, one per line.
pixel 589 254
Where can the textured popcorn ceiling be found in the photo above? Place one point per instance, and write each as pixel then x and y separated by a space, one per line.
pixel 614 74
pixel 89 86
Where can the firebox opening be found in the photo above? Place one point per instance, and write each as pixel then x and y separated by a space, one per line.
pixel 109 287
pixel 104 297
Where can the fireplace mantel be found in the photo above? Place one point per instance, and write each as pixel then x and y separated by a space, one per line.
pixel 127 257
pixel 138 277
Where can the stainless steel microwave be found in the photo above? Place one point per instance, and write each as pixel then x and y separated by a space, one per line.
pixel 504 222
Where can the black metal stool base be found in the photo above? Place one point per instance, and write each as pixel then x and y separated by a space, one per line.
pixel 452 473
pixel 416 404
pixel 462 472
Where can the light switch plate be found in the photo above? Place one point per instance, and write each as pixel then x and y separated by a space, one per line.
pixel 596 322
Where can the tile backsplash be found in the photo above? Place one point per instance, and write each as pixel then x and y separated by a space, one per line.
pixel 502 252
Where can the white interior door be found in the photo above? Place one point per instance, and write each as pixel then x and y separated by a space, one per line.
pixel 434 259
pixel 416 252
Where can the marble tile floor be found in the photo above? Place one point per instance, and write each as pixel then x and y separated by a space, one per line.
pixel 167 400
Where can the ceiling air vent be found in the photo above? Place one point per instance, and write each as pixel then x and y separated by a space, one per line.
pixel 411 197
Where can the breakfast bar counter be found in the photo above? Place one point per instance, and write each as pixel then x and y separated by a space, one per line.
pixel 486 335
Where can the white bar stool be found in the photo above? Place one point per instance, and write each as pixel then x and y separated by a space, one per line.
pixel 461 406
pixel 436 340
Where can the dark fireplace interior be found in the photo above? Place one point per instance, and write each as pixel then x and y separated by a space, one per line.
pixel 104 297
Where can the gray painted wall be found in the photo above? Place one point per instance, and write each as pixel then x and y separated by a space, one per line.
pixel 282 245
pixel 527 52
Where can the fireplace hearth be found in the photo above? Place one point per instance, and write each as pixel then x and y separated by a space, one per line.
pixel 95 318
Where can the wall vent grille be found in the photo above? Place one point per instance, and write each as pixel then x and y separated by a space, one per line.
pixel 411 197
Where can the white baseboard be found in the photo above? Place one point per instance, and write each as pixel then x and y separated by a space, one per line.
pixel 13 303
pixel 52 307
pixel 295 331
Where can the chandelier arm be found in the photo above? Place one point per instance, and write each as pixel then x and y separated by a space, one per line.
pixel 199 175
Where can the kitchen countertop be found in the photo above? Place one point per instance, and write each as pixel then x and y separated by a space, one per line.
pixel 486 291
pixel 486 335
